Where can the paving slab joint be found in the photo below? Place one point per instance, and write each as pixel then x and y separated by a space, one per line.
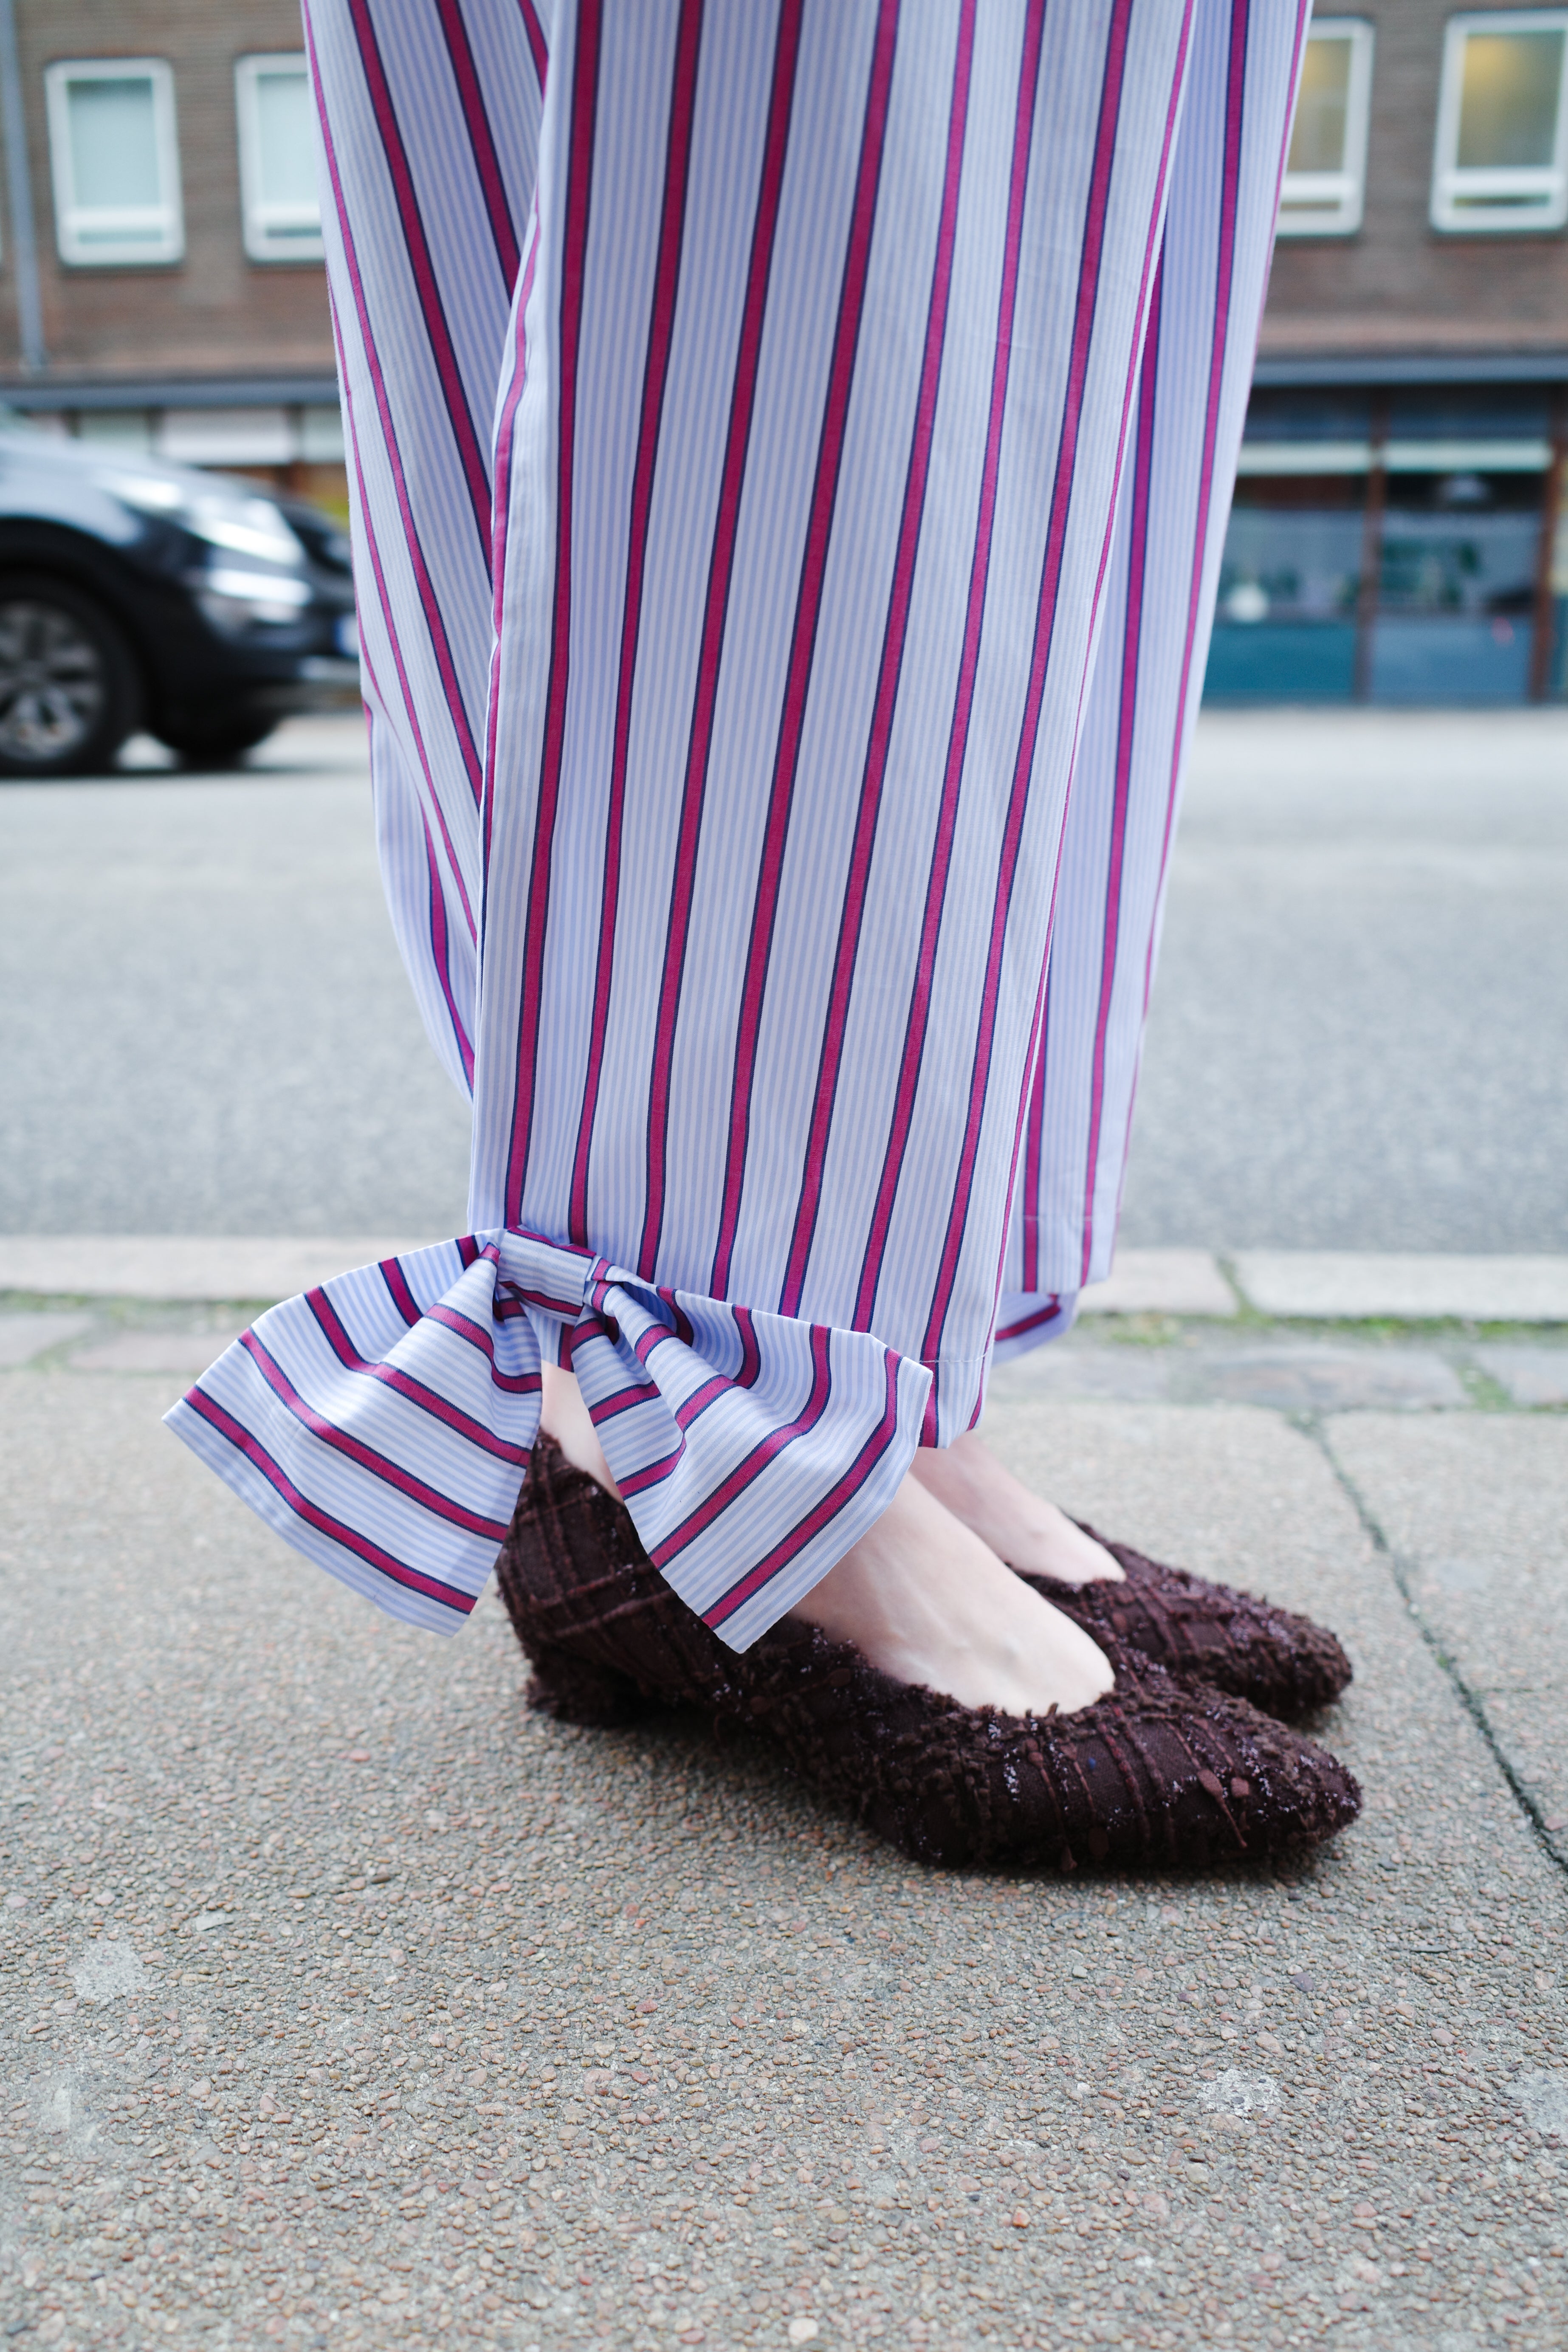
pixel 1246 1313
pixel 1314 1427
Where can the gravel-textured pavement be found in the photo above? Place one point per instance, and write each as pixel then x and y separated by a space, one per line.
pixel 1359 1034
pixel 347 2004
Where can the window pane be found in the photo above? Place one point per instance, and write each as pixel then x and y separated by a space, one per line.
pixel 1508 114
pixel 1292 552
pixel 287 160
pixel 1461 543
pixel 114 149
pixel 1317 141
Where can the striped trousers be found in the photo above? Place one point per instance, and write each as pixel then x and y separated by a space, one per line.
pixel 790 444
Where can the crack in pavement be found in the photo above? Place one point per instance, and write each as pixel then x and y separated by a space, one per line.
pixel 1313 1426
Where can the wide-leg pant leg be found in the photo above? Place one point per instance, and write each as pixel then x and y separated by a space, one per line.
pixel 429 138
pixel 811 406
pixel 1149 668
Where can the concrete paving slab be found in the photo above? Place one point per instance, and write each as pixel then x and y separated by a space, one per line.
pixel 1161 1282
pixel 1305 1377
pixel 438 2023
pixel 185 1354
pixel 1204 1363
pixel 1412 1286
pixel 181 1266
pixel 24 1335
pixel 1479 1516
pixel 1077 1366
pixel 1533 1376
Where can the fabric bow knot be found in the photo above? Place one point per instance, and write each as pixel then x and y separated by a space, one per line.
pixel 751 1449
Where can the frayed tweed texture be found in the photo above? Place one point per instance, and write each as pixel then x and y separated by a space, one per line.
pixel 1162 1772
pixel 1282 1663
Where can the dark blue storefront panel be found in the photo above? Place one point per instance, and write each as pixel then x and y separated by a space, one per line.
pixel 1308 661
pixel 1450 661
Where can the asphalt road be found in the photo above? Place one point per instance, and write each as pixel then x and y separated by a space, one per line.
pixel 1360 1030
pixel 1358 1039
pixel 207 1027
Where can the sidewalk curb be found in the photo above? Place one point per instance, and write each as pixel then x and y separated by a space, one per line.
pixel 1316 1285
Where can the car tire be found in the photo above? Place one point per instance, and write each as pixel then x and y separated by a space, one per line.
pixel 219 744
pixel 71 691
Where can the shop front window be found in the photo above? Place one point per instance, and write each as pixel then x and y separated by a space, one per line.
pixel 1456 587
pixel 1390 546
pixel 1284 625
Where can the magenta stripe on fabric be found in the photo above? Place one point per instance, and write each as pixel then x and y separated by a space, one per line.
pixel 440 953
pixel 1049 1313
pixel 1034 1143
pixel 1224 264
pixel 656 372
pixel 746 1473
pixel 1127 721
pixel 323 1521
pixel 825 1511
pixel 958 735
pixel 413 1391
pixel 786 52
pixel 365 1458
pixel 536 43
pixel 427 599
pixel 481 138
pixel 504 432
pixel 1151 249
pixel 397 1290
pixel 410 707
pixel 1090 256
pixel 442 351
pixel 802 636
pixel 889 672
pixel 475 1335
pixel 573 258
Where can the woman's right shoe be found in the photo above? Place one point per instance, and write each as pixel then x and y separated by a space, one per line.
pixel 1284 1663
pixel 1158 1774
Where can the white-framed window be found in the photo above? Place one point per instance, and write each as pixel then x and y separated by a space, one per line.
pixel 115 159
pixel 1325 172
pixel 1502 159
pixel 278 158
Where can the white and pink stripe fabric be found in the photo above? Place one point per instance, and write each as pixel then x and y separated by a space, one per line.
pixel 791 442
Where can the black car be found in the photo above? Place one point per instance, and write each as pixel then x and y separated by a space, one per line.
pixel 138 594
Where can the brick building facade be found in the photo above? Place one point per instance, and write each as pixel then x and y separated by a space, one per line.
pixel 1397 532
pixel 212 354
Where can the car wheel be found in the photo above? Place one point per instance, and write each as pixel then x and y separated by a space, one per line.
pixel 69 692
pixel 219 745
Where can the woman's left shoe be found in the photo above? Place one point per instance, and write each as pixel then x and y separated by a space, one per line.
pixel 1284 1663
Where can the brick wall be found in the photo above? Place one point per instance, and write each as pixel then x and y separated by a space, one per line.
pixel 215 312
pixel 1400 284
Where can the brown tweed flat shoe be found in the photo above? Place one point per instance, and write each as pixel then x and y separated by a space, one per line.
pixel 1158 1773
pixel 1283 1663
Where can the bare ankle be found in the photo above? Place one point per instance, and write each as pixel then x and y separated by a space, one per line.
pixel 563 1415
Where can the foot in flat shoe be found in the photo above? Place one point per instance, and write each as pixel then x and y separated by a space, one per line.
pixel 1030 1534
pixel 1280 1661
pixel 1160 1774
pixel 926 1602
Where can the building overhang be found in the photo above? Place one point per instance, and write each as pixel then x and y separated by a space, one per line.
pixel 37 394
